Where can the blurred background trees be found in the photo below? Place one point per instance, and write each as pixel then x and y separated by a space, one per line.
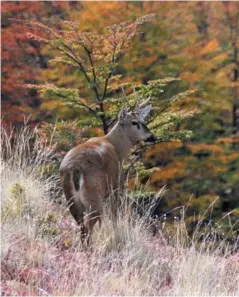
pixel 196 42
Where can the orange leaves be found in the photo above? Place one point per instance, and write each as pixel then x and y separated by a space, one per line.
pixel 17 114
pixel 15 52
pixel 203 147
pixel 16 7
pixel 224 159
pixel 220 58
pixel 147 60
pixel 190 76
pixel 211 46
pixel 228 140
pixel 31 36
pixel 22 55
pixel 171 171
pixel 100 14
pixel 164 150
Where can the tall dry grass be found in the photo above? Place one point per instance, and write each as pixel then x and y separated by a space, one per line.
pixel 42 255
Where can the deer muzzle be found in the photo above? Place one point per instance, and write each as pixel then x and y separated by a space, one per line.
pixel 150 139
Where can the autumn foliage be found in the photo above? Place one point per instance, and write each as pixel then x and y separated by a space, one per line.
pixel 86 52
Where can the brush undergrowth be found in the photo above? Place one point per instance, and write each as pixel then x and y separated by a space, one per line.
pixel 41 252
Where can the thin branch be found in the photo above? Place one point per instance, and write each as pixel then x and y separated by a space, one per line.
pixel 103 118
pixel 93 71
pixel 75 60
pixel 80 104
pixel 86 106
pixel 74 57
pixel 113 60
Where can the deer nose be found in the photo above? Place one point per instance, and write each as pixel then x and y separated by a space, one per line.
pixel 150 139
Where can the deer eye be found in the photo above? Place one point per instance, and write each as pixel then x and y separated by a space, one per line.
pixel 135 123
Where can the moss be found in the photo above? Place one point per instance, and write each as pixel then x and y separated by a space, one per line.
pixel 48 170
pixel 17 190
pixel 16 205
pixel 48 224
pixel 68 242
pixel 51 217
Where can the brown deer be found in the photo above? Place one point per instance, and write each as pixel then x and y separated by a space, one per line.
pixel 90 171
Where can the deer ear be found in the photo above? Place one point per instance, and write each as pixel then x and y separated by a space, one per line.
pixel 123 113
pixel 145 112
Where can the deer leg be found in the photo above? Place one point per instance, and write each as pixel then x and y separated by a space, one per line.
pixel 76 212
pixel 71 190
pixel 92 199
pixel 90 220
pixel 76 209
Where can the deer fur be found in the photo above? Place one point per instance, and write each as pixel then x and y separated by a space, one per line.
pixel 90 171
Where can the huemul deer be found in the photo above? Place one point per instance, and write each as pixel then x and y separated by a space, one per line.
pixel 90 171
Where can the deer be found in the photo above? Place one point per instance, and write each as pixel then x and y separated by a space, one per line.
pixel 90 171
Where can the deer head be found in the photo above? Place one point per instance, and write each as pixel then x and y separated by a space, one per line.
pixel 133 122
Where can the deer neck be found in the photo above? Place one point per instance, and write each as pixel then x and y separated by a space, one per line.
pixel 122 143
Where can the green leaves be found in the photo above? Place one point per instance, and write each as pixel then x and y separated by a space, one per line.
pixel 65 94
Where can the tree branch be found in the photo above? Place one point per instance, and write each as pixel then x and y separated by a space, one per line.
pixel 69 55
pixel 103 118
pixel 110 73
pixel 93 71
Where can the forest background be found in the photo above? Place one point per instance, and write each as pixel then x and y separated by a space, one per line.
pixel 196 42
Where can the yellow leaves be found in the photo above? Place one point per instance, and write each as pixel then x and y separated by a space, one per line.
pixel 55 107
pixel 100 13
pixel 210 199
pixel 114 82
pixel 221 57
pixel 51 105
pixel 204 202
pixel 212 46
pixel 225 71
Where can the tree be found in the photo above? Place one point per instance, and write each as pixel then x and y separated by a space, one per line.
pixel 96 57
